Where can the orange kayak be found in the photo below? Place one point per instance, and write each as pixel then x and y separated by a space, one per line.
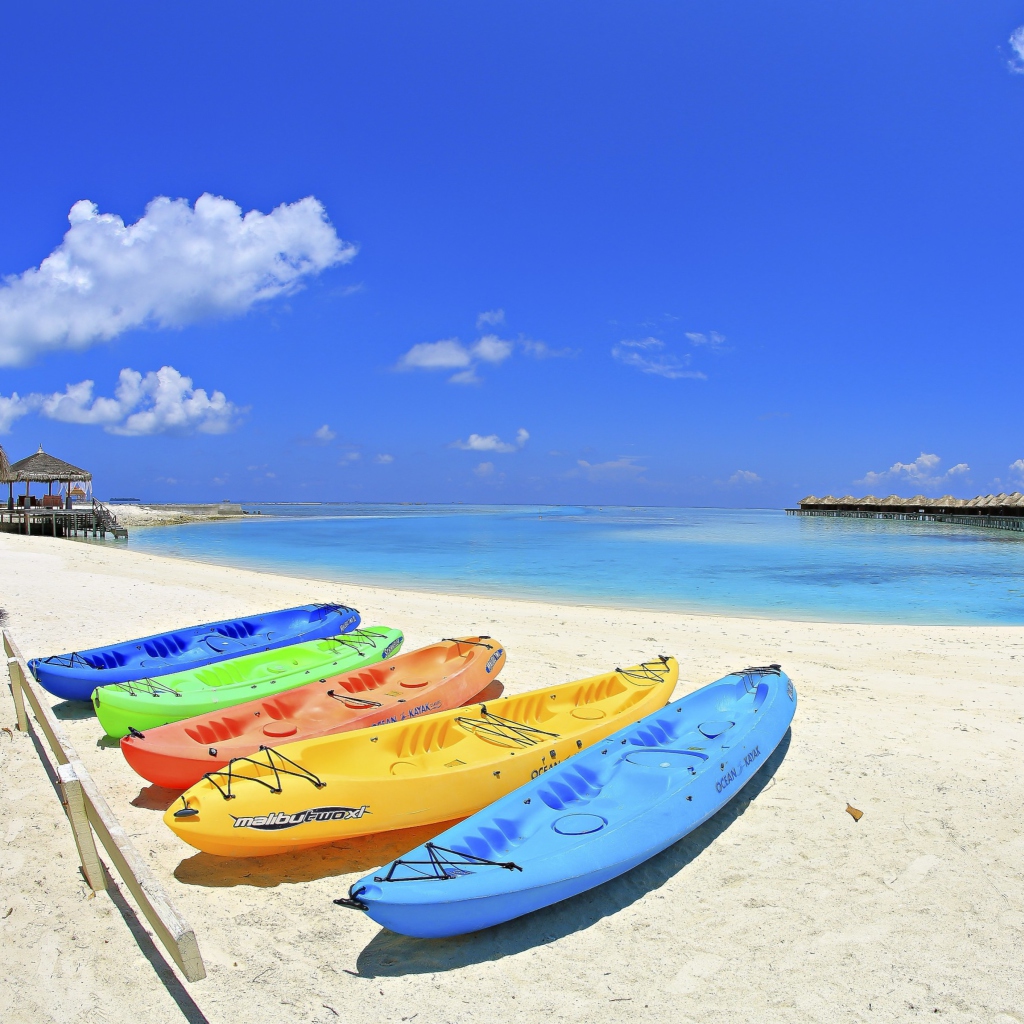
pixel 440 677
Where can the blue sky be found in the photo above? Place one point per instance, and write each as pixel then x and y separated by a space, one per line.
pixel 642 253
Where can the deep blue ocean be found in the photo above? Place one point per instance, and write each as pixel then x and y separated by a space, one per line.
pixel 747 562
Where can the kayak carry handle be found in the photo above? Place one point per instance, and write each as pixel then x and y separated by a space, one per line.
pixel 353 902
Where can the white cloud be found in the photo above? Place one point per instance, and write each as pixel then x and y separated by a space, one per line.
pixel 744 476
pixel 492 443
pixel 648 356
pixel 541 350
pixel 1016 62
pixel 11 409
pixel 1015 467
pixel 712 339
pixel 176 265
pixel 492 349
pixel 622 468
pixel 490 318
pixel 348 458
pixel 451 354
pixel 324 434
pixel 384 459
pixel 922 472
pixel 448 354
pixel 163 401
pixel 484 469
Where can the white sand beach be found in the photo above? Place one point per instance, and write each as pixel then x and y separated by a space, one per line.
pixel 781 908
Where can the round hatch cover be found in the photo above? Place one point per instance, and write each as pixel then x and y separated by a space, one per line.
pixel 578 824
pixel 661 758
pixel 713 729
pixel 278 729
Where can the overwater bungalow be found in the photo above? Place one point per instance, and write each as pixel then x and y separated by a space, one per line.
pixel 1004 511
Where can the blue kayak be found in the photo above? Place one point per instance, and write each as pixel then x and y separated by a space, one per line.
pixel 591 817
pixel 74 676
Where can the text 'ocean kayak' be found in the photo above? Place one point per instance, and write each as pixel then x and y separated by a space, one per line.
pixel 588 820
pixel 426 770
pixel 74 676
pixel 436 678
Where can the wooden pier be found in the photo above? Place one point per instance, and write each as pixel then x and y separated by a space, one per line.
pixel 94 520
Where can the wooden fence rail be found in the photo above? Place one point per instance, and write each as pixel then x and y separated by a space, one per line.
pixel 89 813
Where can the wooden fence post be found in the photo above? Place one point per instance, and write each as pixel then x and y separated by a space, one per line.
pixel 14 671
pixel 82 798
pixel 78 815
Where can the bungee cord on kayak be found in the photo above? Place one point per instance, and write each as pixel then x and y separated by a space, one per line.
pixel 495 727
pixel 653 671
pixel 233 776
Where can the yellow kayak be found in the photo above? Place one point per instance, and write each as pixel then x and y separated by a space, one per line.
pixel 418 772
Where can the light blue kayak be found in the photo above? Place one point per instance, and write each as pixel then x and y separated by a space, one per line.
pixel 74 676
pixel 591 817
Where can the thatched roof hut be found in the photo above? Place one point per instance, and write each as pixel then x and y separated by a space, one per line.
pixel 45 469
pixel 5 466
pixel 40 468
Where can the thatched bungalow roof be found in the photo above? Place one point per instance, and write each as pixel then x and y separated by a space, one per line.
pixel 5 467
pixel 983 504
pixel 43 468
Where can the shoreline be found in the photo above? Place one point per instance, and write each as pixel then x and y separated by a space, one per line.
pixel 916 905
pixel 539 597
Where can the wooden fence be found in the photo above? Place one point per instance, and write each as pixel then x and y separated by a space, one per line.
pixel 88 813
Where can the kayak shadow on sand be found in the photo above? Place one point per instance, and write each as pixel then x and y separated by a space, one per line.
pixel 391 955
pixel 73 710
pixel 357 855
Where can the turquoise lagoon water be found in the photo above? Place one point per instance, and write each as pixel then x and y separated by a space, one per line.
pixel 747 562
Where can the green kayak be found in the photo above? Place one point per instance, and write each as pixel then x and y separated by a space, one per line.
pixel 148 703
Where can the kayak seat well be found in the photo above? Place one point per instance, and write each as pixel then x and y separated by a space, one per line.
pixel 601 689
pixel 166 646
pixel 498 836
pixel 108 659
pixel 427 736
pixel 362 681
pixel 240 629
pixel 217 730
pixel 570 788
